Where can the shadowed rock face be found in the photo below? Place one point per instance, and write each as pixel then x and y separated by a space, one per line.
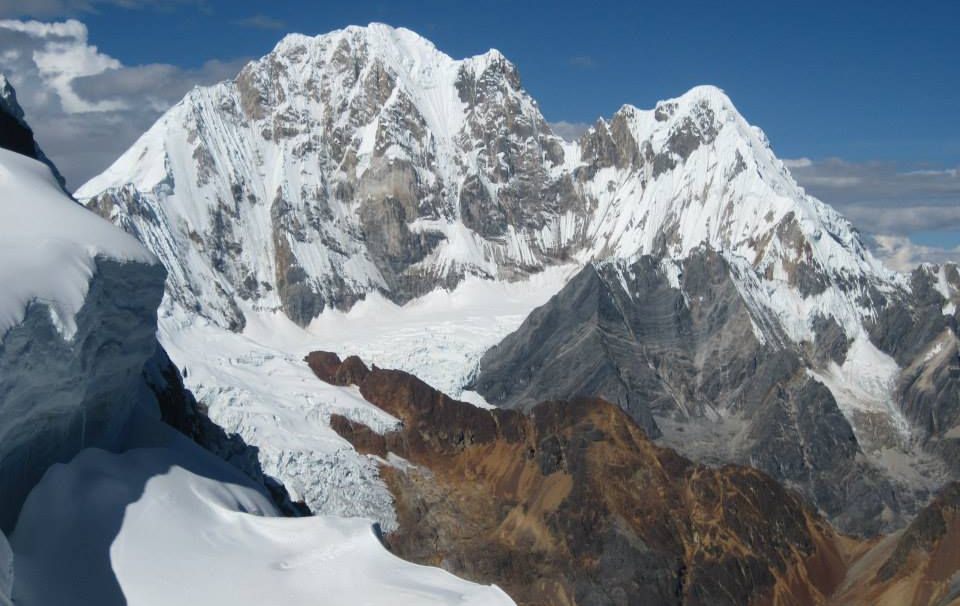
pixel 573 504
pixel 682 357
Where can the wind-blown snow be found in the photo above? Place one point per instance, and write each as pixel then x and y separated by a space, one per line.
pixel 141 529
pixel 49 245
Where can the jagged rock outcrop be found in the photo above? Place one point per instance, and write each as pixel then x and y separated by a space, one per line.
pixel 573 504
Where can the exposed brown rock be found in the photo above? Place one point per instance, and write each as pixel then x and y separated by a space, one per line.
pixel 573 504
pixel 331 369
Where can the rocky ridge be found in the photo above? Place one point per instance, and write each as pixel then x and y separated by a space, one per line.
pixel 571 503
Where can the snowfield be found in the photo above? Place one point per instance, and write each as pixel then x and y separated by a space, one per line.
pixel 156 526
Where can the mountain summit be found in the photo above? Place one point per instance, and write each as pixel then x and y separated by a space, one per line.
pixel 365 160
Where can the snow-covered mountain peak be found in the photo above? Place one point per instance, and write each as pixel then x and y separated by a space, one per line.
pixel 366 160
pixel 357 161
pixel 8 99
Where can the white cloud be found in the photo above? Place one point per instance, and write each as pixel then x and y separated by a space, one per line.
pixel 950 172
pixel 832 181
pixel 62 55
pixel 885 197
pixel 583 62
pixel 85 106
pixel 797 162
pixel 570 131
pixel 893 203
pixel 901 254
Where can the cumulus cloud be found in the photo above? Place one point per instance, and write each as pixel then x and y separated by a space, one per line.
pixel 893 201
pixel 570 131
pixel 798 163
pixel 85 106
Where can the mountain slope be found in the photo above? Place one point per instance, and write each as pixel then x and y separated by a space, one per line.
pixel 111 505
pixel 365 160
pixel 154 513
pixel 917 565
pixel 571 503
pixel 333 167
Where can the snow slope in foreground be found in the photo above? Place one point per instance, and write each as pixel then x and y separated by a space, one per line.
pixel 140 529
pixel 49 244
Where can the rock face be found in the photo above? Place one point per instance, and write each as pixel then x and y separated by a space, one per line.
pixel 573 504
pixel 62 395
pixel 920 332
pixel 6 571
pixel 683 348
pixel 77 323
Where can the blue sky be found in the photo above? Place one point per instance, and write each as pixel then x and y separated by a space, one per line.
pixel 867 91
pixel 859 80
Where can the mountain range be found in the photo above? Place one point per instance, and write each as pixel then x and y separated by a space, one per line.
pixel 717 298
pixel 671 375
